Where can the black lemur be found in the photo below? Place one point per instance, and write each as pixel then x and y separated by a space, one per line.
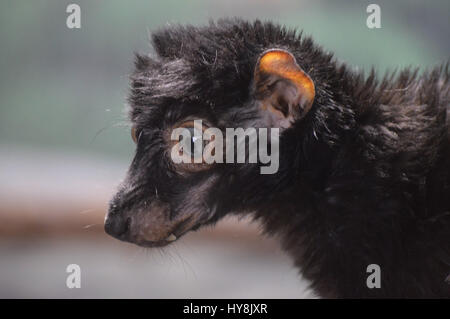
pixel 364 163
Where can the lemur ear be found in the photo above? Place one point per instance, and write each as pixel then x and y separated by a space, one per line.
pixel 283 90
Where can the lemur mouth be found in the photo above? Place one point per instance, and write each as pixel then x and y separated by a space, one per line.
pixel 150 244
pixel 183 227
pixel 154 225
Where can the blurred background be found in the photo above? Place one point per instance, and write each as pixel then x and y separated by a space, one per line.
pixel 65 141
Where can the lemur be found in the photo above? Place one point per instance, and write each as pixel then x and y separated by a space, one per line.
pixel 364 161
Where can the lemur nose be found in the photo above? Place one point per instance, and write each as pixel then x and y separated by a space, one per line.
pixel 117 226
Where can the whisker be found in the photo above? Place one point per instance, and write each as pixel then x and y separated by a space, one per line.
pixel 99 132
pixel 114 123
pixel 184 263
pixel 87 211
pixel 90 225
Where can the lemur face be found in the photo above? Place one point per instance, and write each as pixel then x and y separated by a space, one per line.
pixel 162 197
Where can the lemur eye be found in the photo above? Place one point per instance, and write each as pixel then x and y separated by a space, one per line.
pixel 188 146
pixel 193 147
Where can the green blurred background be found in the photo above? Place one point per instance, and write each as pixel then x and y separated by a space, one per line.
pixel 65 141
pixel 66 88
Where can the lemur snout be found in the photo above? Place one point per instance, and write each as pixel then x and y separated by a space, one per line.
pixel 117 226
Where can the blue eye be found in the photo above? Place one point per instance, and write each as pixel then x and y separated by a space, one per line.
pixel 189 145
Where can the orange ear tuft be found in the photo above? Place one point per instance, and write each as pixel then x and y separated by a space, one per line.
pixel 282 64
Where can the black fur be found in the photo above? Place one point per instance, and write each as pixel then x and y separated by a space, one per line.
pixel 364 178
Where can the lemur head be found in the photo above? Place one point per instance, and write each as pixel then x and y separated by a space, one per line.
pixel 231 74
